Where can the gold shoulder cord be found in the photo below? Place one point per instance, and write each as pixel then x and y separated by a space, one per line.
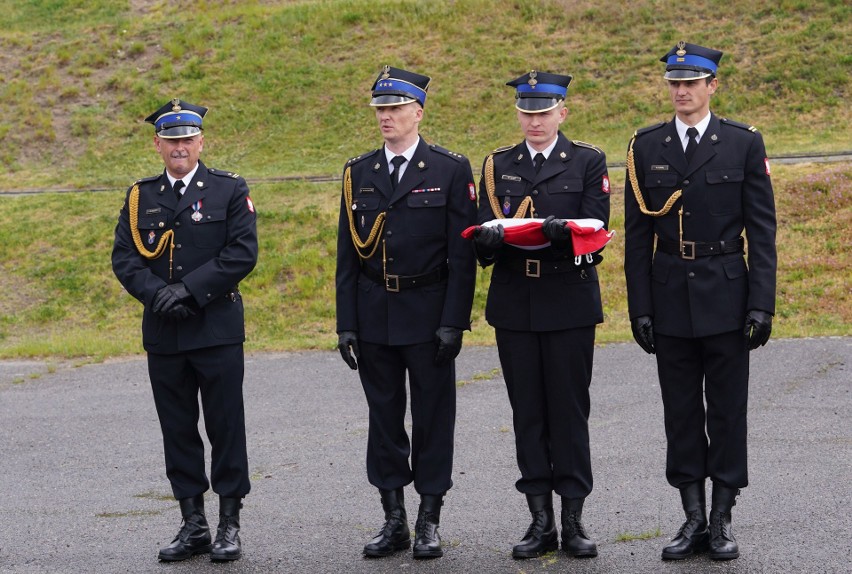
pixel 168 236
pixel 525 205
pixel 631 173
pixel 371 243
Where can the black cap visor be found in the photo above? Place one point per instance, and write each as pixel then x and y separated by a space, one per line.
pixel 175 132
pixel 687 73
pixel 385 99
pixel 538 104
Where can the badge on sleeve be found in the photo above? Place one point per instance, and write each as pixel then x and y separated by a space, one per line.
pixel 766 163
pixel 605 184
pixel 471 191
pixel 250 204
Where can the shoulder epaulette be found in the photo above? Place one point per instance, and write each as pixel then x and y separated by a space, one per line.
pixel 446 152
pixel 740 125
pixel 502 149
pixel 146 179
pixel 357 158
pixel 647 129
pixel 221 173
pixel 586 145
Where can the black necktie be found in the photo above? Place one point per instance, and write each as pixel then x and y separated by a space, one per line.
pixel 537 161
pixel 397 162
pixel 177 187
pixel 692 133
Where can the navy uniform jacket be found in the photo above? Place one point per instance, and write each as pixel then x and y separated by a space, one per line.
pixel 572 184
pixel 434 202
pixel 212 254
pixel 726 189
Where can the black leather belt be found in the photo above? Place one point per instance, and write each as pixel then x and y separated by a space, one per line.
pixel 394 283
pixel 693 249
pixel 537 267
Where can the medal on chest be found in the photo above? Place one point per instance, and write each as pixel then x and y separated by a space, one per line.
pixel 196 211
pixel 507 206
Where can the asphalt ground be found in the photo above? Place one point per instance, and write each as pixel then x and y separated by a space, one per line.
pixel 83 488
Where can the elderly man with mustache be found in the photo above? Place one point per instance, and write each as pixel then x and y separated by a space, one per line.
pixel 185 239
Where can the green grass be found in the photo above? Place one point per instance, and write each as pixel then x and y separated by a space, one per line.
pixel 63 300
pixel 287 85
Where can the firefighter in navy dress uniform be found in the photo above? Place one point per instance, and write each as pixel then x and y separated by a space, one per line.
pixel 405 283
pixel 695 184
pixel 185 239
pixel 544 305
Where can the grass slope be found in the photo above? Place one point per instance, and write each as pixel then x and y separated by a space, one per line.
pixel 287 85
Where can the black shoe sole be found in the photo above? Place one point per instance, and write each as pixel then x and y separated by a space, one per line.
pixel 427 554
pixel 524 554
pixel 214 558
pixel 382 553
pixel 182 557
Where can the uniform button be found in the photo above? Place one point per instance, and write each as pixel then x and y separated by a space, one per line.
pixel 389 233
pixel 691 274
pixel 390 206
pixel 177 223
pixel 686 182
pixel 688 213
pixel 724 177
pixel 209 295
pixel 179 268
pixel 426 202
pixel 162 225
pixel 390 259
pixel 178 246
pixel 535 192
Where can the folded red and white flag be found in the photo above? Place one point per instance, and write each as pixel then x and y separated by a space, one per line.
pixel 587 235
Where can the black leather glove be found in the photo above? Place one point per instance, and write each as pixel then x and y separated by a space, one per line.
pixel 345 340
pixel 168 297
pixel 449 344
pixel 758 327
pixel 487 240
pixel 557 231
pixel 179 311
pixel 643 332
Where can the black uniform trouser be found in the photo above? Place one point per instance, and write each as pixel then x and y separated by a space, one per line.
pixel 548 376
pixel 382 369
pixel 176 380
pixel 712 442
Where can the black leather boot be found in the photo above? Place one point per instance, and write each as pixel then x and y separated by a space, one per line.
pixel 723 545
pixel 427 541
pixel 227 545
pixel 693 536
pixel 194 534
pixel 395 534
pixel 574 539
pixel 541 536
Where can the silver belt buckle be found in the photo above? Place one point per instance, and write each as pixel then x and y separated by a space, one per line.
pixel 392 283
pixel 683 250
pixel 533 268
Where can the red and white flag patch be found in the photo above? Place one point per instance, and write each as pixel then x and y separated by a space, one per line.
pixel 605 184
pixel 471 191
pixel 250 204
pixel 766 163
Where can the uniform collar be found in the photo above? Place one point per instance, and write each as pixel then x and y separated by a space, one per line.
pixel 546 151
pixel 185 179
pixel 700 126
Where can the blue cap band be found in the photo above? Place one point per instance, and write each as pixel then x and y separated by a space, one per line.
pixel 391 85
pixel 543 88
pixel 179 118
pixel 692 60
